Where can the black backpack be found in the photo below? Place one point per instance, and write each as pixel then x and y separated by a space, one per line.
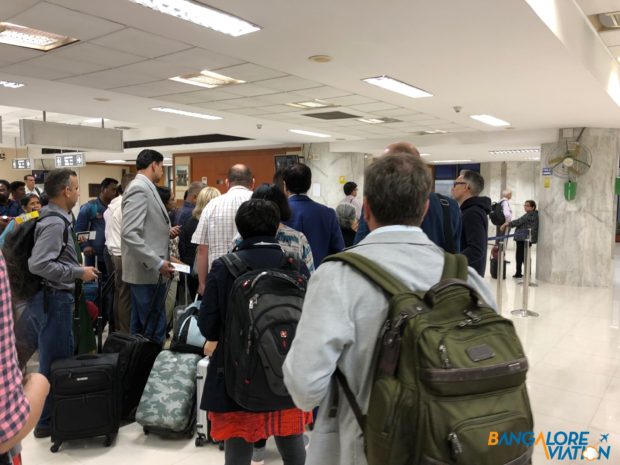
pixel 17 250
pixel 497 213
pixel 264 308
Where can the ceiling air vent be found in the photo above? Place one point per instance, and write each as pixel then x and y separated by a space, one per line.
pixel 331 115
pixel 610 20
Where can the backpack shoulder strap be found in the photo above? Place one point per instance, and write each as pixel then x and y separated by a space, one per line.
pixel 65 233
pixel 448 238
pixel 235 264
pixel 454 266
pixel 376 273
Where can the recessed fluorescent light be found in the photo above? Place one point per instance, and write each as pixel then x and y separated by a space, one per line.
pixel 379 120
pixel 311 104
pixel 399 87
pixel 207 79
pixel 115 161
pixel 202 15
pixel 308 133
pixel 451 161
pixel 514 151
pixel 490 120
pixel 186 113
pixel 11 85
pixel 435 131
pixel 425 154
pixel 22 36
pixel 533 158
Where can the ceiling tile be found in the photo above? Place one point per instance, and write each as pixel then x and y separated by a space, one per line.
pixel 109 79
pixel 398 112
pixel 200 58
pixel 246 102
pixel 249 72
pixel 215 105
pixel 37 71
pixel 10 9
pixel 615 51
pixel 72 67
pixel 152 89
pixel 278 109
pixel 418 117
pixel 611 37
pixel 322 92
pixel 249 90
pixel 140 43
pixel 158 70
pixel 281 98
pixel 250 111
pixel 209 95
pixel 14 54
pixel 350 100
pixel 59 20
pixel 91 53
pixel 288 83
pixel 376 107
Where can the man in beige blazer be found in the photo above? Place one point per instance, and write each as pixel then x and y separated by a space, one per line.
pixel 145 237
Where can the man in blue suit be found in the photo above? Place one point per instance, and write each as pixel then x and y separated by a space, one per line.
pixel 316 221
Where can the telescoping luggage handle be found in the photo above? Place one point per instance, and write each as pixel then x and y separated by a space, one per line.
pixel 151 337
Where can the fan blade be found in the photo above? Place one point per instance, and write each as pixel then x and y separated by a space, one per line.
pixel 574 171
pixel 555 161
pixel 582 162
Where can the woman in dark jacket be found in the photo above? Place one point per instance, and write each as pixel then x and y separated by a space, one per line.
pixel 527 221
pixel 257 222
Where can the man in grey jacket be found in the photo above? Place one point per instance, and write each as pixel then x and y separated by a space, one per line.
pixel 343 312
pixel 54 258
pixel 145 240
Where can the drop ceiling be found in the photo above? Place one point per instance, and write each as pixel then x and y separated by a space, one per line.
pixel 465 53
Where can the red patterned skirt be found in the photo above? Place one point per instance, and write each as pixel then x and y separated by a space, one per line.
pixel 254 426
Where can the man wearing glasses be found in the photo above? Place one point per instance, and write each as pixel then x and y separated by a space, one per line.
pixel 466 191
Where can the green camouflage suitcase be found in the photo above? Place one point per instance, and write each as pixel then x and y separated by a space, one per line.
pixel 168 403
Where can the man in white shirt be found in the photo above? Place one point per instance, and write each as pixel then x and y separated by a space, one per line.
pixel 216 228
pixel 350 190
pixel 505 201
pixel 113 217
pixel 30 186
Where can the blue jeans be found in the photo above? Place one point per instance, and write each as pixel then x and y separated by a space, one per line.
pixel 51 331
pixel 149 299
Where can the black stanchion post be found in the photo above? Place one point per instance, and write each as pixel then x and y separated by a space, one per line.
pixel 500 275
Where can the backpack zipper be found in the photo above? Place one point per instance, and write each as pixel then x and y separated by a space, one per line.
pixel 443 355
pixel 455 446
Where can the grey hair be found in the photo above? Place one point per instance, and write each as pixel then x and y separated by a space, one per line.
pixel 346 215
pixel 475 181
pixel 506 192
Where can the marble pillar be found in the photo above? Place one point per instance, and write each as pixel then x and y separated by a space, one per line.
pixel 327 168
pixel 576 238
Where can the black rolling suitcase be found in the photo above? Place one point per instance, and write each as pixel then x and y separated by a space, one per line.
pixel 137 354
pixel 85 392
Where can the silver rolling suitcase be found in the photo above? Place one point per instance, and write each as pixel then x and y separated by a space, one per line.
pixel 202 424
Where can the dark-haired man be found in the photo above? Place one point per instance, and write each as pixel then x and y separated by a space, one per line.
pixel 344 312
pixel 189 203
pixel 466 191
pixel 31 188
pixel 18 190
pixel 145 238
pixel 8 208
pixel 318 222
pixel 216 228
pixel 350 191
pixel 55 259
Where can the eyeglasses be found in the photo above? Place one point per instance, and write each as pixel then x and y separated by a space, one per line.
pixel 456 183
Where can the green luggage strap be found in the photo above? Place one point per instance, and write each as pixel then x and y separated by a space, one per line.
pixel 454 271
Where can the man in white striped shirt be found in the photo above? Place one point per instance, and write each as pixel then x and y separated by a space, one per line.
pixel 216 228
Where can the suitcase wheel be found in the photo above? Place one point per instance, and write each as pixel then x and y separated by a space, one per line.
pixel 145 429
pixel 55 447
pixel 200 441
pixel 108 441
pixel 220 445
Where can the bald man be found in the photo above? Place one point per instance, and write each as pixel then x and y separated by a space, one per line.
pixel 442 224
pixel 216 228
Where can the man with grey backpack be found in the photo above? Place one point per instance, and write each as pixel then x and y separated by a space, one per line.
pixel 400 346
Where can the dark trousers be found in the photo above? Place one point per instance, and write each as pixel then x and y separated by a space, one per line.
pixel 520 256
pixel 291 448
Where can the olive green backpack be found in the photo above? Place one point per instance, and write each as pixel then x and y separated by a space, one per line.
pixel 450 371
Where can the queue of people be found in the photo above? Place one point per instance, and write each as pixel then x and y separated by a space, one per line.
pixel 139 235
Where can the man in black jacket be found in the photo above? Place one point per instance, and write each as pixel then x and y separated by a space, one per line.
pixel 466 191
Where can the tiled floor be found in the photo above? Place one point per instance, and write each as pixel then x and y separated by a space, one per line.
pixel 574 382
